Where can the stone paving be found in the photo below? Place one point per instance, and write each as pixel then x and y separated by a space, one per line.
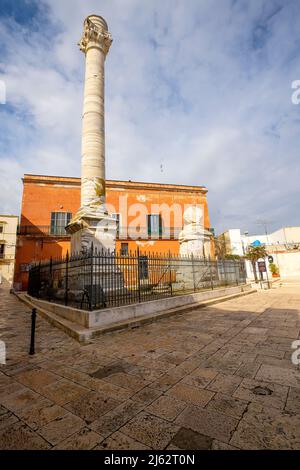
pixel 219 377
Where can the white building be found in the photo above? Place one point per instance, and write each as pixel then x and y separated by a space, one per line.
pixel 8 236
pixel 283 245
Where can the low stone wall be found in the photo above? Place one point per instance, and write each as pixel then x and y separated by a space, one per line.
pixel 110 316
pixel 75 315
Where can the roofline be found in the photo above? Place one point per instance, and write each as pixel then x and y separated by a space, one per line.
pixel 111 183
pixel 9 215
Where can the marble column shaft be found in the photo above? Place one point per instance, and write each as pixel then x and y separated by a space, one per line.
pixel 95 43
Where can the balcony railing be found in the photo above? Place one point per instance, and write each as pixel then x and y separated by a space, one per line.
pixel 42 231
pixel 123 233
pixel 143 233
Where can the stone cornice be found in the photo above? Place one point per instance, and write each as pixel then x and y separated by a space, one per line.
pixel 94 36
pixel 114 184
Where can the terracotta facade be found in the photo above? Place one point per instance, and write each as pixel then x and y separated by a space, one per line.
pixel 43 196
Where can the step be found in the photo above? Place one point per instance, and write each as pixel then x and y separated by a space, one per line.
pixel 84 335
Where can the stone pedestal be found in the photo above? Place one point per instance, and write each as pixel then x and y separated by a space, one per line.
pixel 193 273
pixel 96 231
pixel 194 239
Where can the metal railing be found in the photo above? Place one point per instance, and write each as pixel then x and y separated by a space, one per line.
pixel 99 280
pixel 123 233
pixel 42 231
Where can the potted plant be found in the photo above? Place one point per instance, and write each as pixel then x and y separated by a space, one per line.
pixel 274 270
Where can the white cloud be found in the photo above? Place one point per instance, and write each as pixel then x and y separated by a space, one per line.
pixel 205 91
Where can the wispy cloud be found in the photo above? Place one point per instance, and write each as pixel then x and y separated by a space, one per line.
pixel 197 95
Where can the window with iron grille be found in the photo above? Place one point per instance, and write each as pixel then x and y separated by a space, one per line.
pixel 154 225
pixel 124 249
pixel 59 220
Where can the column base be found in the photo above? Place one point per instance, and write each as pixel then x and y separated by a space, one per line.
pixel 197 273
pixel 192 247
pixel 100 279
pixel 98 232
pixel 196 243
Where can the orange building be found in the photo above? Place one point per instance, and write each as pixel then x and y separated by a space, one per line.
pixel 149 215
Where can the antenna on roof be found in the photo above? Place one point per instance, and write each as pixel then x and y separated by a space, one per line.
pixel 265 224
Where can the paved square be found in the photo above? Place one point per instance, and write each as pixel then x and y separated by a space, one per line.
pixel 220 377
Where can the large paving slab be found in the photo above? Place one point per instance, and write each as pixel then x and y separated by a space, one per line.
pixel 267 428
pixel 220 377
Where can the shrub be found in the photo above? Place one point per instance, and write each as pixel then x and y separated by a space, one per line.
pixel 273 268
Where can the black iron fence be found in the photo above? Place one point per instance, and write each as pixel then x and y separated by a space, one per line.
pixel 99 280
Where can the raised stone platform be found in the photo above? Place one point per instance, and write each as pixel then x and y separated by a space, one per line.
pixel 84 325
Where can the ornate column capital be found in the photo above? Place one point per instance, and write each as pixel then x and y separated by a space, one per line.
pixel 95 33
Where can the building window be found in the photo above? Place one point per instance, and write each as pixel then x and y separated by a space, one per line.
pixel 1 229
pixel 154 225
pixel 143 267
pixel 59 220
pixel 124 249
pixel 2 250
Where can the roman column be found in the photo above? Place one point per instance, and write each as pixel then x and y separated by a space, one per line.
pixel 92 223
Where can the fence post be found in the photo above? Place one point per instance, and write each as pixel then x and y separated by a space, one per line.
pixel 29 281
pixel 50 281
pixel 32 336
pixel 225 272
pixel 92 275
pixel 244 272
pixel 138 273
pixel 170 273
pixel 67 279
pixel 39 282
pixel 193 269
pixel 210 271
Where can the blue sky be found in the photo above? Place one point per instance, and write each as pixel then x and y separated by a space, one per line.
pixel 197 92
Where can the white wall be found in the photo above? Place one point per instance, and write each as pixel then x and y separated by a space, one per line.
pixel 292 234
pixel 278 237
pixel 236 242
pixel 289 264
pixel 282 236
pixel 264 239
pixel 8 238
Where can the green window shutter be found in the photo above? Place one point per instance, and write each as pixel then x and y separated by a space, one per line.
pixel 160 225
